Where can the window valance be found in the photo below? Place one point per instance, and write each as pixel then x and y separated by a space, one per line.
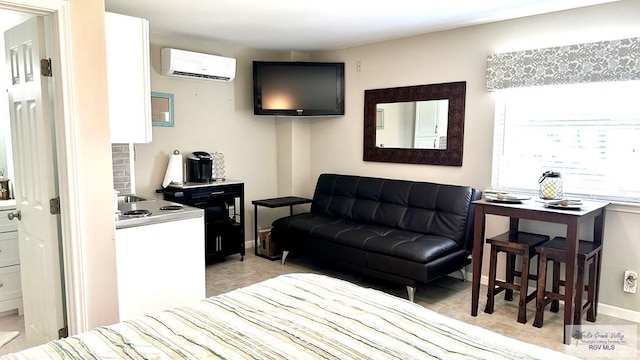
pixel 604 61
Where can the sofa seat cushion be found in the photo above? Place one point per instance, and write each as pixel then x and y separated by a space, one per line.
pixel 349 233
pixel 371 237
pixel 412 246
pixel 303 222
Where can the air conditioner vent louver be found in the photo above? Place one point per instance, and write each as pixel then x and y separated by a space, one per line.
pixel 194 75
pixel 188 64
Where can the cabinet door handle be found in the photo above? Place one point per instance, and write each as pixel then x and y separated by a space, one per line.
pixel 14 215
pixel 217 193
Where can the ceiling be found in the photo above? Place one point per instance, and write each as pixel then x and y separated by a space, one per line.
pixel 299 25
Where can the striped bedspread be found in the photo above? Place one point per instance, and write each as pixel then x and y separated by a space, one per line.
pixel 295 316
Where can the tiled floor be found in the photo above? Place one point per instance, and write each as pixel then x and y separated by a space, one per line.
pixel 10 321
pixel 447 296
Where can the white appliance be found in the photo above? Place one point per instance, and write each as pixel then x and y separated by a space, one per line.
pixel 195 65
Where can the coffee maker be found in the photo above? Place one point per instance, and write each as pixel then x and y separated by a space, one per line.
pixel 199 167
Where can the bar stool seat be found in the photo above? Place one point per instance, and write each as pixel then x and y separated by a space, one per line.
pixel 589 254
pixel 522 244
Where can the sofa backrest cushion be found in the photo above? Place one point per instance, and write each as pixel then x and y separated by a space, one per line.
pixel 422 207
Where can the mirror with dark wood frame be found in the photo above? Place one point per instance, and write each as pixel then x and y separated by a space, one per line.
pixel 446 149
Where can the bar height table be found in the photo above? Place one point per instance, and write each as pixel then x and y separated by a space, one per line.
pixel 289 201
pixel 533 210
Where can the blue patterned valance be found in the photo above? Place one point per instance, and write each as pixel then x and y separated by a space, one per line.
pixel 615 60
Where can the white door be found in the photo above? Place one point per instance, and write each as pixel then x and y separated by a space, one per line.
pixel 35 184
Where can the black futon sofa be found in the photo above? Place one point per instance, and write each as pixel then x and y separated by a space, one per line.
pixel 406 232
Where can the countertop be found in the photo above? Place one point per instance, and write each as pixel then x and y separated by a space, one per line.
pixel 157 215
pixel 7 204
pixel 153 205
pixel 191 185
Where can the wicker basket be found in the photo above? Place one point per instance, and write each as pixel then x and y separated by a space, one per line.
pixel 267 247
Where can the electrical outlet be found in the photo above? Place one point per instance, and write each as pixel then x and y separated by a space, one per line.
pixel 630 284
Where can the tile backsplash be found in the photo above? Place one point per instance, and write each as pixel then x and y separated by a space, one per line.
pixel 121 158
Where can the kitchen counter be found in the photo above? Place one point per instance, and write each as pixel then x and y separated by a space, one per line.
pixel 158 214
pixel 160 258
pixel 152 205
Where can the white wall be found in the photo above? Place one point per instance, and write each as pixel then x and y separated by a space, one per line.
pixel 216 116
pixel 460 55
pixel 398 121
pixel 89 148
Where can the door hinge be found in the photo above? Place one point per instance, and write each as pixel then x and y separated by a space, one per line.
pixel 54 206
pixel 45 67
pixel 63 333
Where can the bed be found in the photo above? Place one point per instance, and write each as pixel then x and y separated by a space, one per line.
pixel 293 316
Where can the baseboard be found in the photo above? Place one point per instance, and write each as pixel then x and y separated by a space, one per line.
pixel 619 313
pixel 604 309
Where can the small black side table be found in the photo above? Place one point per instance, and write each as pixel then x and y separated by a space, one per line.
pixel 289 201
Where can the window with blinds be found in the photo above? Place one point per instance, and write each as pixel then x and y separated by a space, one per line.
pixel 589 132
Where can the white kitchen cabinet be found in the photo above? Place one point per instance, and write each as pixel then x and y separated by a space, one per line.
pixel 128 75
pixel 431 123
pixel 160 266
pixel 10 282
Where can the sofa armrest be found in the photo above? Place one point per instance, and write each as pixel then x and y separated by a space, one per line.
pixel 468 239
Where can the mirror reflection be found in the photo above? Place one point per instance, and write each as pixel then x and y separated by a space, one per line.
pixel 6 160
pixel 412 125
pixel 419 124
pixel 161 109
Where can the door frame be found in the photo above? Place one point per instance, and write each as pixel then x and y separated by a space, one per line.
pixel 64 119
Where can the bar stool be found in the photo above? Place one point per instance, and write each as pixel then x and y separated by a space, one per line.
pixel 523 244
pixel 589 254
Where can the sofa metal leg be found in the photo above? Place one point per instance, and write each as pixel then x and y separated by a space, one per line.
pixel 411 292
pixel 464 274
pixel 284 256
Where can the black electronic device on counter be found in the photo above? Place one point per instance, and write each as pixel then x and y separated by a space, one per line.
pixel 199 167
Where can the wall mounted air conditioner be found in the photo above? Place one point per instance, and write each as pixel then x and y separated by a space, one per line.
pixel 195 65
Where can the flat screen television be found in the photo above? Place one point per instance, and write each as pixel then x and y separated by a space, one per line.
pixel 284 88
